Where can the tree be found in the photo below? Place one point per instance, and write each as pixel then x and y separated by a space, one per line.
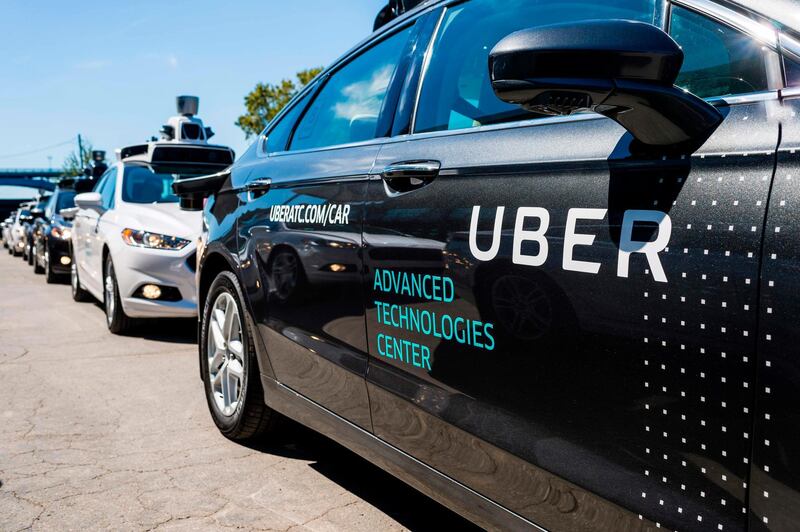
pixel 266 100
pixel 74 164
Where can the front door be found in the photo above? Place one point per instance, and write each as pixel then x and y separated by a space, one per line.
pixel 301 231
pixel 562 326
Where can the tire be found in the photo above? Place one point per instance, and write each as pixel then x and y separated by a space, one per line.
pixel 116 319
pixel 49 276
pixel 29 255
pixel 37 268
pixel 247 416
pixel 78 293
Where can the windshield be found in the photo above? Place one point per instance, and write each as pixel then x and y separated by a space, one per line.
pixel 142 185
pixel 65 200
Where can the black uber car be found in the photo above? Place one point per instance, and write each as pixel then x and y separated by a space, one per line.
pixel 551 317
pixel 52 232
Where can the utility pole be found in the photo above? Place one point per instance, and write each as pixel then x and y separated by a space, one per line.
pixel 80 150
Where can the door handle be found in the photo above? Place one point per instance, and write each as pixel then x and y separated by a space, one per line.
pixel 410 175
pixel 259 186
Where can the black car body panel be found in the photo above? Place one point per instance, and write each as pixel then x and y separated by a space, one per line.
pixel 775 469
pixel 601 336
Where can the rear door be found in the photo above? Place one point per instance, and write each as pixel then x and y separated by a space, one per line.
pixel 775 498
pixel 562 326
pixel 300 230
pixel 83 242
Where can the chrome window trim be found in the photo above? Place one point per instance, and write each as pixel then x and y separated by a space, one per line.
pixel 426 62
pixel 789 46
pixel 718 101
pixel 529 122
pixel 750 97
pixel 790 93
pixel 761 32
pixel 378 140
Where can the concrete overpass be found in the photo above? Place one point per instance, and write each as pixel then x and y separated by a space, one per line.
pixel 41 179
pixel 38 178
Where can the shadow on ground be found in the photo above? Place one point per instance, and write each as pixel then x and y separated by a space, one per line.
pixel 174 330
pixel 393 497
pixel 169 330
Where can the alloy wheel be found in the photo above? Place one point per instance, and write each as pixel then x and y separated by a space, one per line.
pixel 225 352
pixel 110 292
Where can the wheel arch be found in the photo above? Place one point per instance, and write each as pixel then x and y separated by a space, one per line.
pixel 212 265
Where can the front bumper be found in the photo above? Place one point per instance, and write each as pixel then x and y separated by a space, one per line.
pixel 58 252
pixel 135 267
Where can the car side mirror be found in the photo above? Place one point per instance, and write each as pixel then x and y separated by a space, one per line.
pixel 90 200
pixel 622 69
pixel 68 214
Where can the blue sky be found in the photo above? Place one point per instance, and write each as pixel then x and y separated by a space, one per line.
pixel 111 70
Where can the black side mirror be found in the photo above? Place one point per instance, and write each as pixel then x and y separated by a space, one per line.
pixel 621 69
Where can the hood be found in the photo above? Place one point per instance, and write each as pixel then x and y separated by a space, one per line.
pixel 164 218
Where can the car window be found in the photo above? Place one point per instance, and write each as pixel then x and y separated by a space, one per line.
pixel 719 60
pixel 792 73
pixel 279 134
pixel 347 108
pixel 456 92
pixel 98 187
pixel 109 188
pixel 50 208
pixel 65 200
pixel 140 184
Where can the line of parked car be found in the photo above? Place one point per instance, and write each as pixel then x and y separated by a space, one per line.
pixel 119 235
pixel 40 234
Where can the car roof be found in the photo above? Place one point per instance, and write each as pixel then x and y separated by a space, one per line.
pixel 785 12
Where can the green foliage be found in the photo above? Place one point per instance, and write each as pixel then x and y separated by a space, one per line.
pixel 74 164
pixel 266 100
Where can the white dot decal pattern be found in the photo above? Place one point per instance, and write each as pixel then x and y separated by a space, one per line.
pixel 704 316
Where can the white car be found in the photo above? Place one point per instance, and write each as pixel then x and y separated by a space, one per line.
pixel 16 230
pixel 133 248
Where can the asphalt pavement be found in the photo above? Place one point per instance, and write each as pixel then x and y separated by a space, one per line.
pixel 106 432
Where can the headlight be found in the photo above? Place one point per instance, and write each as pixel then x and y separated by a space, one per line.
pixel 146 239
pixel 63 233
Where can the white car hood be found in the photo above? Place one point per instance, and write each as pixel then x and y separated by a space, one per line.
pixel 164 218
